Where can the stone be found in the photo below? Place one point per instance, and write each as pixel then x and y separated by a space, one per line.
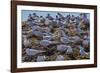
pixel 37 33
pixel 45 43
pixel 34 28
pixel 26 42
pixel 41 58
pixel 69 50
pixel 61 48
pixel 82 52
pixel 47 21
pixel 45 29
pixel 47 37
pixel 77 38
pixel 60 58
pixel 64 39
pixel 32 52
pixel 85 43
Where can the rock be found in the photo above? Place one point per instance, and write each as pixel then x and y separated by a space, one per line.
pixel 63 34
pixel 61 48
pixel 47 34
pixel 45 29
pixel 32 52
pixel 47 37
pixel 77 38
pixel 26 42
pixel 60 58
pixel 34 28
pixel 40 58
pixel 69 50
pixel 82 52
pixel 45 43
pixel 37 33
pixel 64 39
pixel 66 36
pixel 85 43
pixel 47 22
pixel 29 23
pixel 32 23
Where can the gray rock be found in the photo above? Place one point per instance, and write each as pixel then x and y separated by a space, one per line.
pixel 32 52
pixel 47 37
pixel 47 21
pixel 34 28
pixel 64 39
pixel 69 50
pixel 63 34
pixel 82 52
pixel 45 29
pixel 40 58
pixel 75 38
pixel 45 43
pixel 85 43
pixel 61 48
pixel 60 58
pixel 37 33
pixel 26 42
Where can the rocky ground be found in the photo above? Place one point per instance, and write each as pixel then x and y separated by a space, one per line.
pixel 50 39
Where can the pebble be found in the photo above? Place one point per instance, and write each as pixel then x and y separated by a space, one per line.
pixel 41 58
pixel 45 43
pixel 26 42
